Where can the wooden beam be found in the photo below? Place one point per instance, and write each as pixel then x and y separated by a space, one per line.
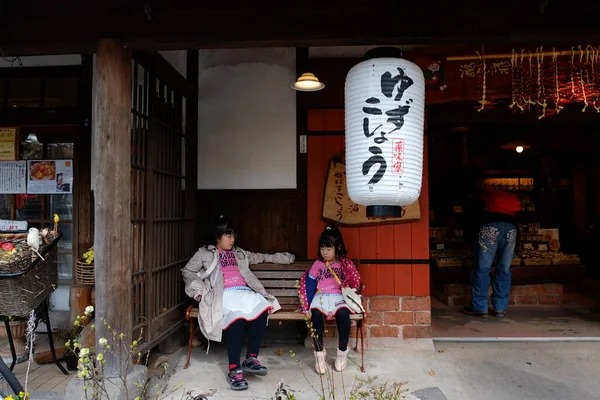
pixel 112 231
pixel 41 27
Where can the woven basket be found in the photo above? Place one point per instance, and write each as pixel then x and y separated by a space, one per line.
pixel 24 284
pixel 84 274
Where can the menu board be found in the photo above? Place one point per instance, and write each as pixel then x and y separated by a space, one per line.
pixel 49 176
pixel 13 177
pixel 8 147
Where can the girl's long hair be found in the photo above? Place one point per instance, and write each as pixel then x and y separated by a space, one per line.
pixel 332 237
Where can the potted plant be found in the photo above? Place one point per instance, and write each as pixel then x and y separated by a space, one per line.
pixel 85 268
pixel 18 330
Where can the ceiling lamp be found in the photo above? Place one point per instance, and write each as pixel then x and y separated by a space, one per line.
pixel 519 149
pixel 308 82
pixel 32 138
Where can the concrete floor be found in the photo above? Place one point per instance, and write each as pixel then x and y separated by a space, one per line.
pixel 578 318
pixel 45 381
pixel 461 371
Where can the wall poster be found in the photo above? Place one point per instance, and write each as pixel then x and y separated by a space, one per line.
pixel 13 177
pixel 50 176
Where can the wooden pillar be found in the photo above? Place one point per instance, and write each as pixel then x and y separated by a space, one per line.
pixel 112 196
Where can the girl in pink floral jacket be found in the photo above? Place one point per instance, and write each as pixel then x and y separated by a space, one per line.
pixel 321 294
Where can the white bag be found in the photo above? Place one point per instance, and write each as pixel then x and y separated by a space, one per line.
pixel 352 299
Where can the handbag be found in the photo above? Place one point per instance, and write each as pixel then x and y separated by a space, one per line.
pixel 352 299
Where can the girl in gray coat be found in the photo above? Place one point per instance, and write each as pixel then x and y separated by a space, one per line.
pixel 219 278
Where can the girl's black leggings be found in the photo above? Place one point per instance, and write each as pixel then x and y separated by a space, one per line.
pixel 234 335
pixel 342 318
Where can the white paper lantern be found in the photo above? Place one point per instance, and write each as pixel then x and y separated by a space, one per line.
pixel 385 110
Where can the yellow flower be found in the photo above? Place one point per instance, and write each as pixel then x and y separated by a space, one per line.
pixel 9 398
pixel 103 342
pixel 100 357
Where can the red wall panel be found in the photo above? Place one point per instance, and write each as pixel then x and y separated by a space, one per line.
pixel 384 242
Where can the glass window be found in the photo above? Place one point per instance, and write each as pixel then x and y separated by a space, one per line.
pixel 25 92
pixel 65 266
pixel 5 206
pixel 59 150
pixel 61 204
pixel 2 93
pixel 40 209
pixel 28 206
pixel 61 92
pixel 30 151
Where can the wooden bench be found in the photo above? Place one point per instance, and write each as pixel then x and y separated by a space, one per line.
pixel 280 281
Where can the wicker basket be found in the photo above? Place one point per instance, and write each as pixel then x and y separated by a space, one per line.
pixel 24 284
pixel 84 274
pixel 516 262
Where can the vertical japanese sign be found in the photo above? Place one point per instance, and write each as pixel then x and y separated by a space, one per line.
pixel 13 177
pixel 8 144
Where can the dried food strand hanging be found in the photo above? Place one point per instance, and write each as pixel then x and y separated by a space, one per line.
pixel 595 83
pixel 572 67
pixel 581 79
pixel 557 100
pixel 521 97
pixel 531 84
pixel 541 91
pixel 513 79
pixel 483 92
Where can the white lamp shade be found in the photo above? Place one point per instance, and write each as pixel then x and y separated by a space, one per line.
pixel 385 111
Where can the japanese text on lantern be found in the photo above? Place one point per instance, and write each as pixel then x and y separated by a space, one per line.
pixel 395 117
pixel 398 156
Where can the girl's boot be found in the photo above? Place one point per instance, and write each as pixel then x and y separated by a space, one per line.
pixel 320 363
pixel 341 360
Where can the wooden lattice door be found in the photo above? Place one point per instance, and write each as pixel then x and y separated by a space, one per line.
pixel 164 184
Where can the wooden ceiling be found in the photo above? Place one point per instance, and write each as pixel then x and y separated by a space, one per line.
pixel 29 27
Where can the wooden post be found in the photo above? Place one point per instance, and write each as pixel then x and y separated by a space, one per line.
pixel 112 230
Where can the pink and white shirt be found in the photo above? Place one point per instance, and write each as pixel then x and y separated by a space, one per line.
pixel 326 283
pixel 231 273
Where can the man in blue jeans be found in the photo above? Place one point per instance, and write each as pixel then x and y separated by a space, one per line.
pixel 497 238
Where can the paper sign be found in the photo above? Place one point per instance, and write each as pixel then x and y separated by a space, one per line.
pixel 13 177
pixel 543 247
pixel 440 247
pixel 8 140
pixel 8 225
pixel 527 246
pixel 50 176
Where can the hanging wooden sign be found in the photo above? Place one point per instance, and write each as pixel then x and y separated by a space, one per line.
pixel 8 143
pixel 338 208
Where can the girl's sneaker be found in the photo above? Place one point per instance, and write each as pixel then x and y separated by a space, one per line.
pixel 251 365
pixel 341 360
pixel 320 363
pixel 237 380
